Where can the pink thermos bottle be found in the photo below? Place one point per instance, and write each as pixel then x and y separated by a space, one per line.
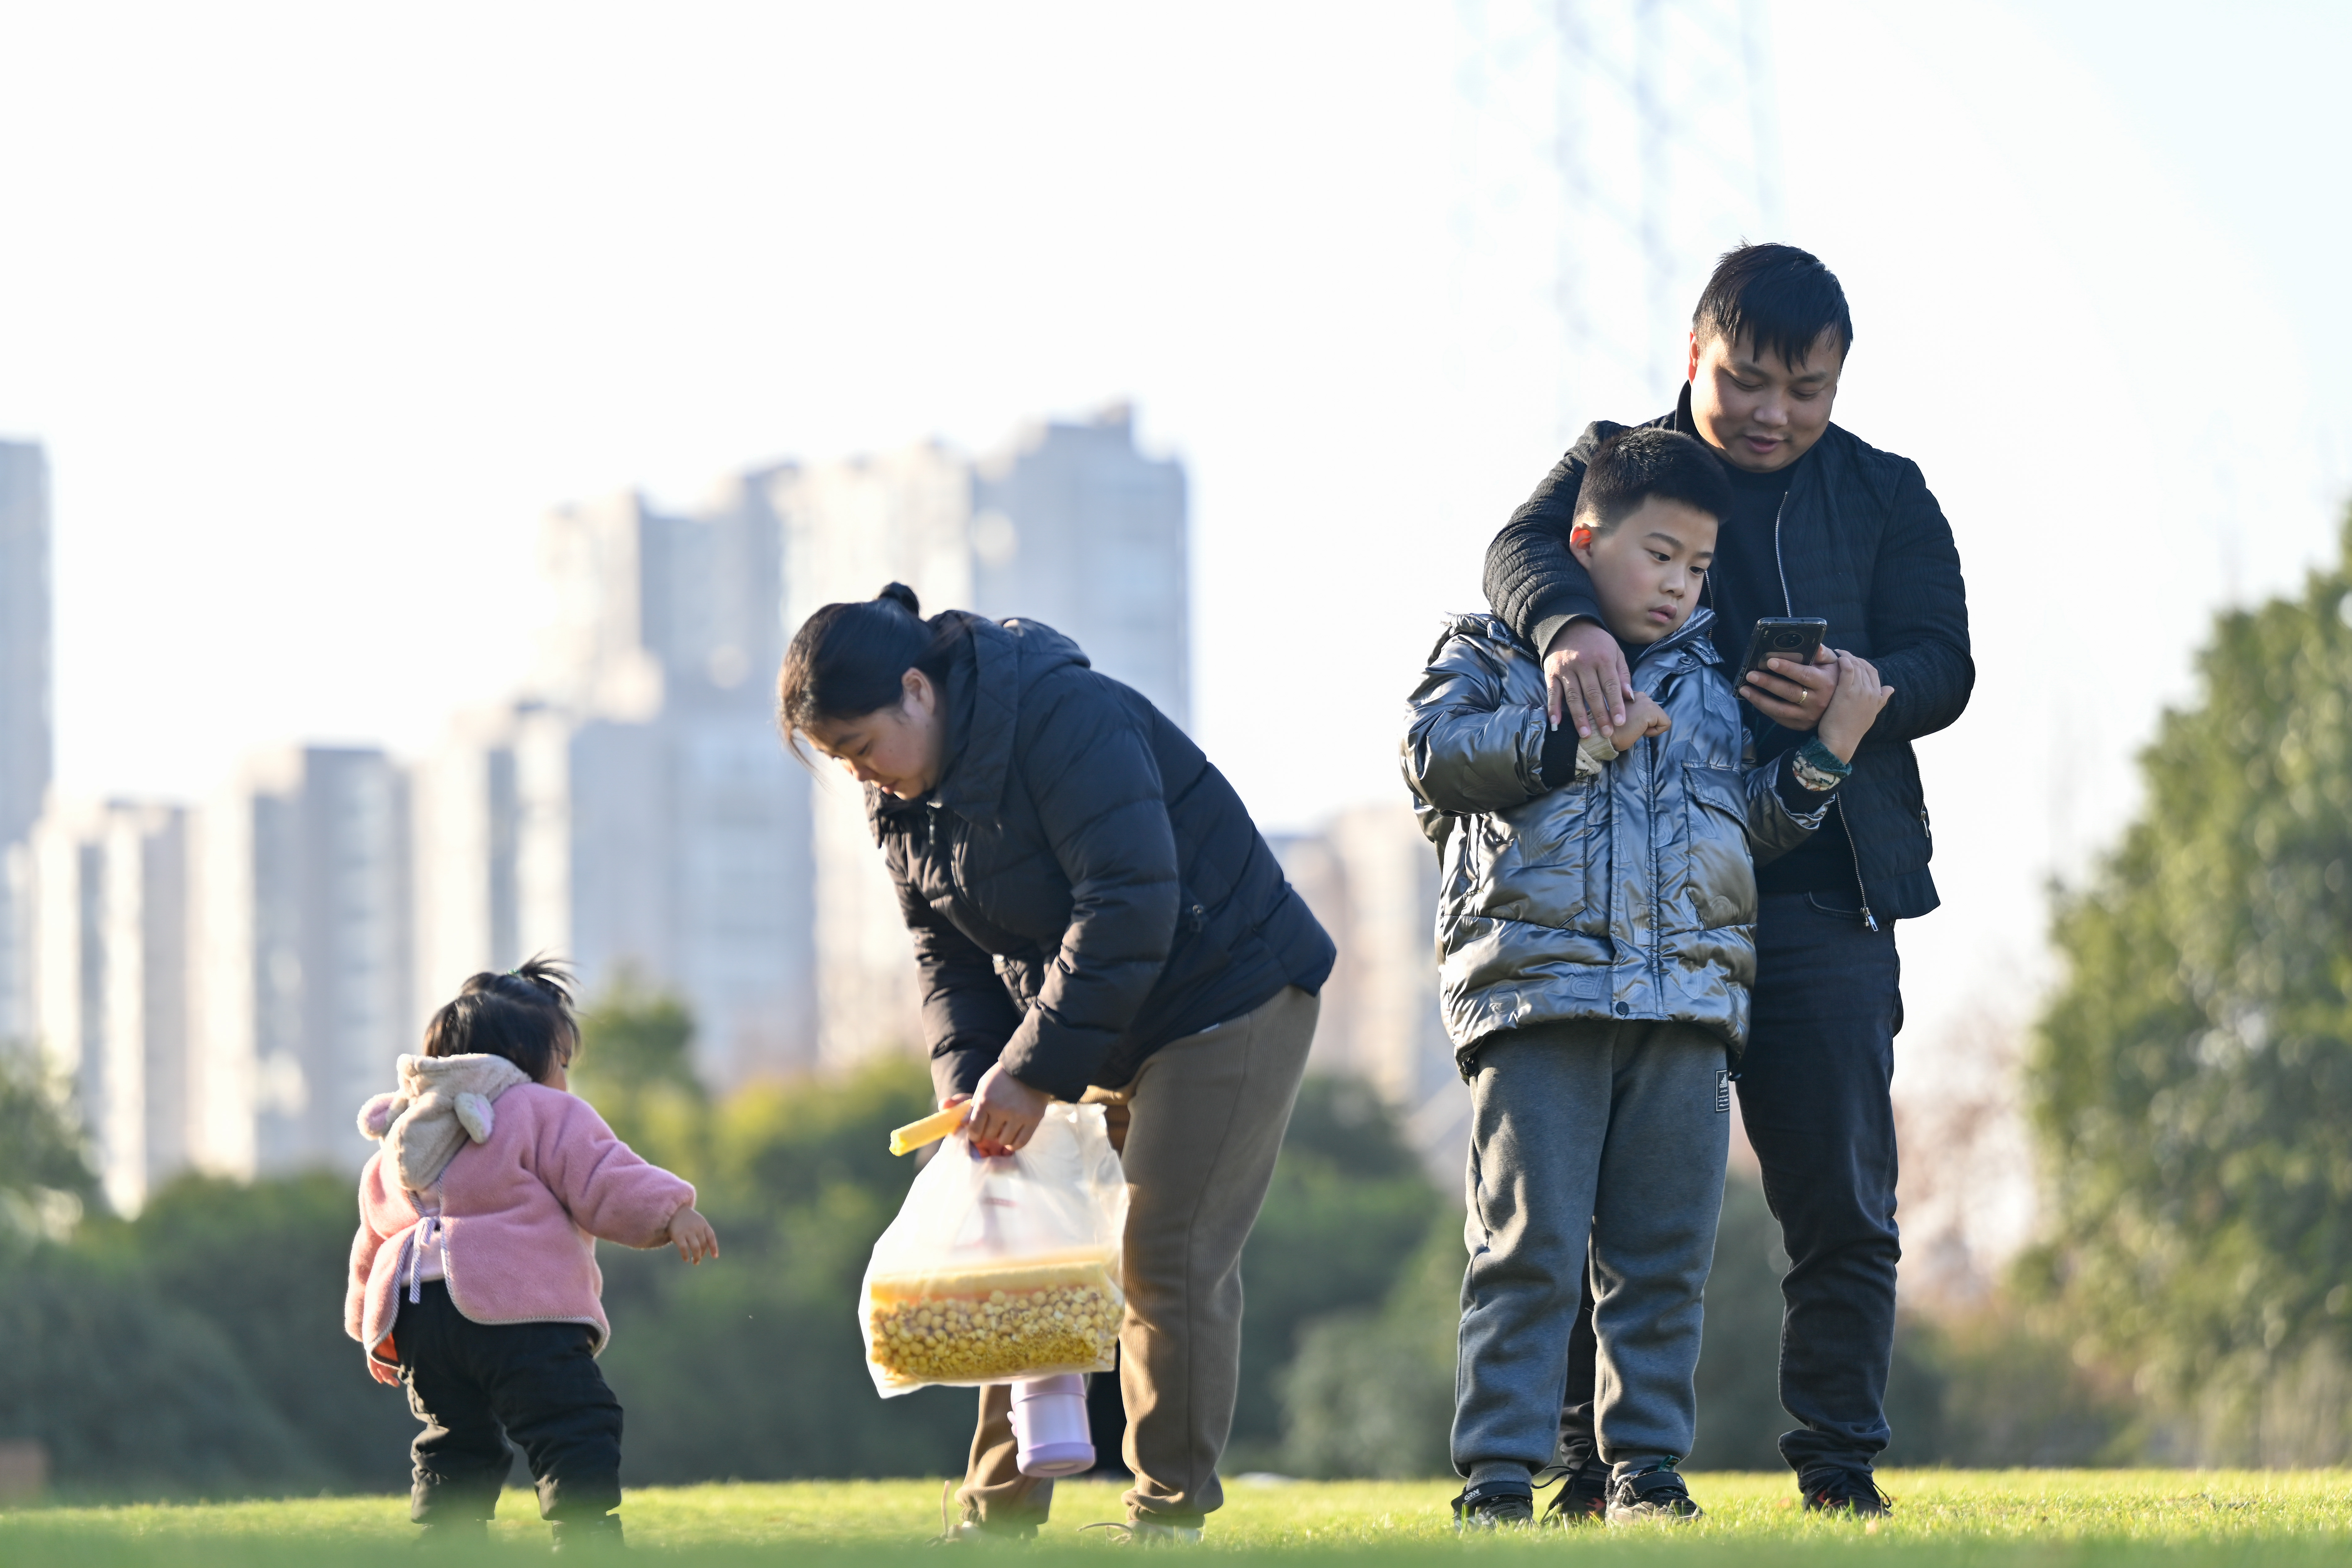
pixel 1049 1425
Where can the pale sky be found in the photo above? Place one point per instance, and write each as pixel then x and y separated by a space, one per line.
pixel 318 309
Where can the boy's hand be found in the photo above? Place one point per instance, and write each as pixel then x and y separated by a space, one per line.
pixel 1793 695
pixel 1854 707
pixel 1585 679
pixel 692 1236
pixel 1643 718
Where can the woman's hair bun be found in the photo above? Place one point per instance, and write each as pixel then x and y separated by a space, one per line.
pixel 899 594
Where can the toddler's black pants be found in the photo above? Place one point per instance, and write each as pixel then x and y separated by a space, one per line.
pixel 476 1384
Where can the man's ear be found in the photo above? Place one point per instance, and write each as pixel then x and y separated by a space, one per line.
pixel 1690 371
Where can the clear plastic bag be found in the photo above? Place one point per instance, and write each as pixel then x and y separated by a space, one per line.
pixel 1000 1269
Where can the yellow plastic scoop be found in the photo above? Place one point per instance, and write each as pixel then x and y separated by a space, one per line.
pixel 930 1129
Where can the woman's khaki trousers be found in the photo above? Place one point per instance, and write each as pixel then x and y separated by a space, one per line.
pixel 1197 1130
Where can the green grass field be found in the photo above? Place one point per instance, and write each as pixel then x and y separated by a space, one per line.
pixel 1943 1517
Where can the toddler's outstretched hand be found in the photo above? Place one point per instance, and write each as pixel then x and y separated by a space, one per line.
pixel 692 1236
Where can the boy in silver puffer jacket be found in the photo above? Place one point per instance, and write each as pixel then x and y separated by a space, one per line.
pixel 1596 938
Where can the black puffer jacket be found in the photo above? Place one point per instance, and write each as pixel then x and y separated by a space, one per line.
pixel 1083 885
pixel 1863 545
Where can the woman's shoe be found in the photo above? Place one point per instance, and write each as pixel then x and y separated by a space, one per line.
pixel 600 1534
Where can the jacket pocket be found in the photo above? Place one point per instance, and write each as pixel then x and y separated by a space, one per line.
pixel 1719 874
pixel 1544 859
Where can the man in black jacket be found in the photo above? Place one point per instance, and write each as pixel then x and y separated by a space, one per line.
pixel 1824 525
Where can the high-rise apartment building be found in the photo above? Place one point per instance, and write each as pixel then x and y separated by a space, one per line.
pixel 1072 526
pixel 1372 878
pixel 111 942
pixel 1067 524
pixel 302 924
pixel 637 815
pixel 25 734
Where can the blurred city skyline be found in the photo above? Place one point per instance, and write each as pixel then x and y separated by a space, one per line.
pixel 318 315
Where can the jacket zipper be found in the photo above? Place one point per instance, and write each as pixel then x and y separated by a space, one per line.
pixel 1788 608
pixel 1657 886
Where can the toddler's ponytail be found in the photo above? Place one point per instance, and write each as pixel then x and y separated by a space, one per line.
pixel 524 1015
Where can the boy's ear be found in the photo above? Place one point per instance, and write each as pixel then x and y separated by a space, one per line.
pixel 1579 542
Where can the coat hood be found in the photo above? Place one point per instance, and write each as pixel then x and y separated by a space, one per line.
pixel 986 676
pixel 441 1104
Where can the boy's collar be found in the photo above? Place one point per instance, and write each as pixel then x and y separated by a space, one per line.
pixel 1691 635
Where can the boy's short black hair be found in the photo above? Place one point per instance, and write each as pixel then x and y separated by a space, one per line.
pixel 1783 297
pixel 1633 466
pixel 524 1015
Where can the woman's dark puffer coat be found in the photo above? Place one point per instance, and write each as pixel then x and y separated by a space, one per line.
pixel 1083 885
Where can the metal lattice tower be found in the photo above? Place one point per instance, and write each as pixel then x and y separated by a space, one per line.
pixel 1627 144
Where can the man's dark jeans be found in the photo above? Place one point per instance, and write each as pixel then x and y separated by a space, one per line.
pixel 1814 1097
pixel 476 1384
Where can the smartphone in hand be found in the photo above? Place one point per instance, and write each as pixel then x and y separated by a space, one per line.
pixel 1795 639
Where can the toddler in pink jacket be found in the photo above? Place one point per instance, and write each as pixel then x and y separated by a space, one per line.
pixel 474 1278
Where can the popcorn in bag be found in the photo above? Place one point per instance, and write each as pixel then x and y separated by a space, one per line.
pixel 1002 1269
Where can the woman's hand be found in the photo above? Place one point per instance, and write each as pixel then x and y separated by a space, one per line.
pixel 692 1236
pixel 1854 707
pixel 1004 1113
pixel 992 1149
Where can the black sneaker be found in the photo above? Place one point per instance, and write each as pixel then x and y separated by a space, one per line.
pixel 1497 1505
pixel 1654 1497
pixel 440 1533
pixel 600 1534
pixel 1853 1493
pixel 1584 1495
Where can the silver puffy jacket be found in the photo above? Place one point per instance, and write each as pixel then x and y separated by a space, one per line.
pixel 1629 893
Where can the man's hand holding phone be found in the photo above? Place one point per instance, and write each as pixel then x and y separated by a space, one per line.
pixel 1794 696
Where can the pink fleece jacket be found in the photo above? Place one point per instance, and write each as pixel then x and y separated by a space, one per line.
pixel 521 1212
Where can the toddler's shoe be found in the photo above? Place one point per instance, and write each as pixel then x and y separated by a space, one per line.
pixel 1655 1497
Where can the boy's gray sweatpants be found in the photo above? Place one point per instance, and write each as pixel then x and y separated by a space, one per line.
pixel 1614 1131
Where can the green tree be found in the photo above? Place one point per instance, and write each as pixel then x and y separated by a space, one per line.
pixel 635 1064
pixel 2191 1079
pixel 751 1366
pixel 132 1394
pixel 265 1265
pixel 46 1177
pixel 1343 1219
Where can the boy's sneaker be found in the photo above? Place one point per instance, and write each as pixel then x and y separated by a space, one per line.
pixel 1654 1497
pixel 1494 1506
pixel 1584 1495
pixel 1853 1493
